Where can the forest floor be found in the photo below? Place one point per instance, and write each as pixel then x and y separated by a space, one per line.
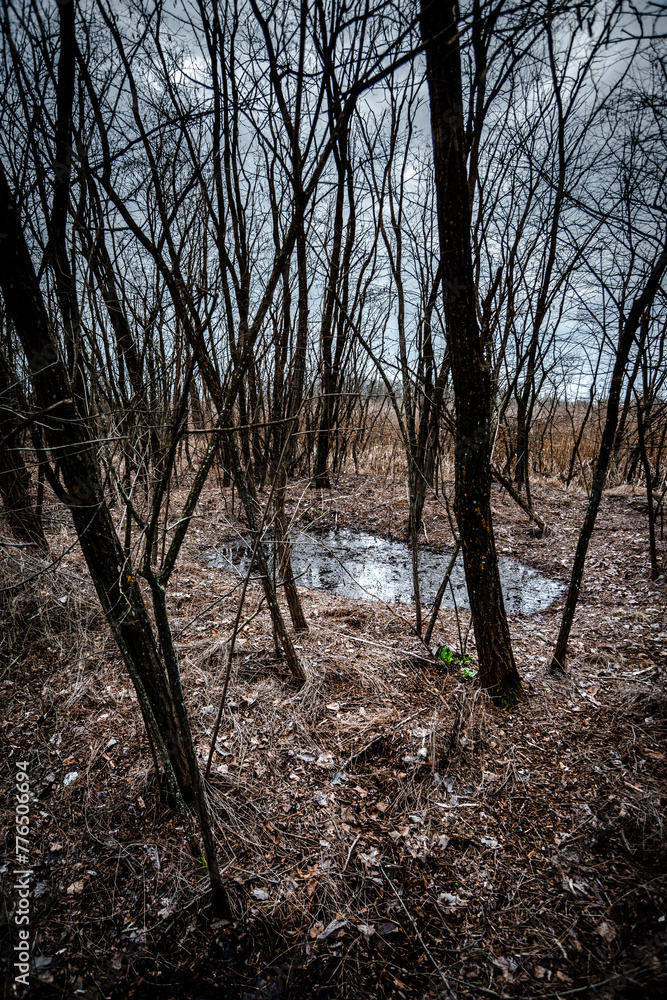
pixel 385 831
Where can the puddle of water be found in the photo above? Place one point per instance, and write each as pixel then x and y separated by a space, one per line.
pixel 364 566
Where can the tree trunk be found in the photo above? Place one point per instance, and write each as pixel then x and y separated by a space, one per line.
pixel 471 371
pixel 15 490
pixel 641 435
pixel 322 479
pixel 23 516
pixel 625 341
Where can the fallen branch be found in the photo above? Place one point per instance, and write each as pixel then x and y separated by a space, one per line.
pixel 506 484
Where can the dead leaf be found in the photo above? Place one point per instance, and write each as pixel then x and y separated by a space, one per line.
pixel 332 926
pixel 576 888
pixel 606 930
pixel 217 925
pixel 505 962
pixel 366 929
pixel 387 929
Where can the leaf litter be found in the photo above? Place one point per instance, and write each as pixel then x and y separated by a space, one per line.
pixel 384 827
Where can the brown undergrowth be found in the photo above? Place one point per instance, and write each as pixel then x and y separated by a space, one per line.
pixel 385 831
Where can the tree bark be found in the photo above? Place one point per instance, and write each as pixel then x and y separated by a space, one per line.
pixel 471 369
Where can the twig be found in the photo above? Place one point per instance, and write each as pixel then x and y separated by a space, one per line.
pixel 208 608
pixel 349 853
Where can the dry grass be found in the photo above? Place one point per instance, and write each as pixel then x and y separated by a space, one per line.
pixel 379 450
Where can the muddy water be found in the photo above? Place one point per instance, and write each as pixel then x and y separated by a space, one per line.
pixel 363 566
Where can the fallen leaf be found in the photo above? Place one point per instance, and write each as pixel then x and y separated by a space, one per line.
pixel 366 929
pixel 449 899
pixel 332 926
pixel 576 888
pixel 387 928
pixel 606 930
pixel 217 925
pixel 504 962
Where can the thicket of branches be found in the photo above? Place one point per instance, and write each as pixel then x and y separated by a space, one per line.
pixel 224 246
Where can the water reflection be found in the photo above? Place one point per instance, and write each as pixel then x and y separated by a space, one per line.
pixel 364 566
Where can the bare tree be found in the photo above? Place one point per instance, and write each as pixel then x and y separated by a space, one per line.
pixel 471 372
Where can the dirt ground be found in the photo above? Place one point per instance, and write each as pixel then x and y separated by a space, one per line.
pixel 385 831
